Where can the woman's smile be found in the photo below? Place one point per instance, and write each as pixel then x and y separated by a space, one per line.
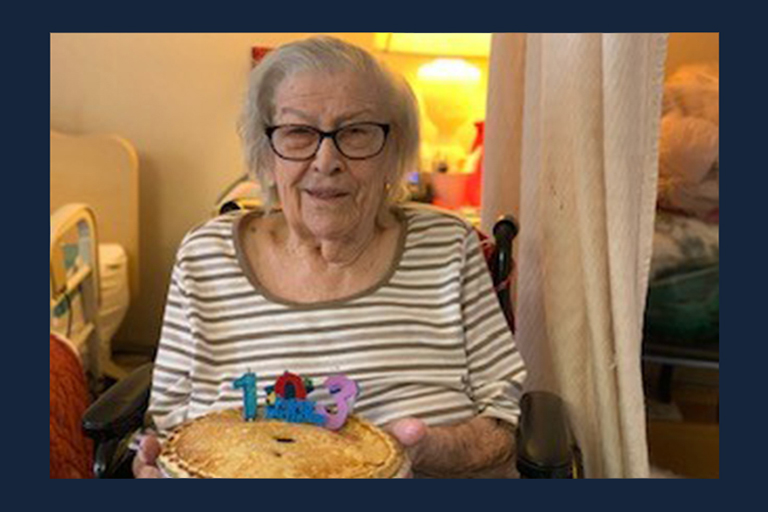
pixel 327 194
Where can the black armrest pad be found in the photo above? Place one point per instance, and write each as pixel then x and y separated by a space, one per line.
pixel 121 409
pixel 545 447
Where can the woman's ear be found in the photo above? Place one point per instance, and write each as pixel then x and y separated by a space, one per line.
pixel 267 187
pixel 269 179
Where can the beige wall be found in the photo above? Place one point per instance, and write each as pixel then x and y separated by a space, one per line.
pixel 176 98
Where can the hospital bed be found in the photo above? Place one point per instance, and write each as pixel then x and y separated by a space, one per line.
pixel 94 243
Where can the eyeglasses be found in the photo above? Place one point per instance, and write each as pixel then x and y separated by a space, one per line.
pixel 298 142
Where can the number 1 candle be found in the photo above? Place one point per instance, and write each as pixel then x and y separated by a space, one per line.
pixel 247 382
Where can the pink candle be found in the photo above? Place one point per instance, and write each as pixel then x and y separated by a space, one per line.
pixel 344 391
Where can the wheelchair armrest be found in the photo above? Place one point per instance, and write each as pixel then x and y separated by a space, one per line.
pixel 545 445
pixel 120 410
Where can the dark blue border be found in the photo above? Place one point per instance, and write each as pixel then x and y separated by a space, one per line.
pixel 744 197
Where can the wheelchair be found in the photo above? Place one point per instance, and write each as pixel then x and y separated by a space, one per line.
pixel 545 445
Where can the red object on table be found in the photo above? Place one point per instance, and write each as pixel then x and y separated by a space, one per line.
pixel 473 192
pixel 258 53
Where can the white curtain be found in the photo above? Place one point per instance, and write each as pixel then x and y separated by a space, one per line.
pixel 571 149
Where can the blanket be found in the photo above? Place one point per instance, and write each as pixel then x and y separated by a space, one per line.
pixel 71 453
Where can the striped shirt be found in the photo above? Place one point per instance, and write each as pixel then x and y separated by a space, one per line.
pixel 428 341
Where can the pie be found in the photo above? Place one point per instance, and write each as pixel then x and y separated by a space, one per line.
pixel 222 445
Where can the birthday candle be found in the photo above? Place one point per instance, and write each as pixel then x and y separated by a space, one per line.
pixel 248 384
pixel 344 391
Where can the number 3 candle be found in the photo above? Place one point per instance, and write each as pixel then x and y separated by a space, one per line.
pixel 344 392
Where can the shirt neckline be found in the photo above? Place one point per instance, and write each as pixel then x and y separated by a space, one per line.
pixel 245 266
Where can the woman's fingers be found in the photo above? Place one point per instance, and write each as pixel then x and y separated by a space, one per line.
pixel 408 431
pixel 149 449
pixel 144 461
pixel 149 472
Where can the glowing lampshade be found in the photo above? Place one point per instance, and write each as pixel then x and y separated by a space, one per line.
pixel 448 85
pixel 444 45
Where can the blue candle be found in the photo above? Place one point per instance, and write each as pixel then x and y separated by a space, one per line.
pixel 248 384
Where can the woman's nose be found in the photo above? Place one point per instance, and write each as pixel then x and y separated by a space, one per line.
pixel 328 159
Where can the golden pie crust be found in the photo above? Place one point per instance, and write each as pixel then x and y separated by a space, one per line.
pixel 223 445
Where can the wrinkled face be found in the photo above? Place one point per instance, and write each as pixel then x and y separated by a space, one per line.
pixel 330 196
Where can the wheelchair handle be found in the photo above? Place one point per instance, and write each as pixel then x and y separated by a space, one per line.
pixel 504 232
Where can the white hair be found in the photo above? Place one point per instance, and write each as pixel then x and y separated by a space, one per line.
pixel 325 55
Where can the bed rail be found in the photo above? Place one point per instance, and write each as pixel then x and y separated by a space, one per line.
pixel 74 270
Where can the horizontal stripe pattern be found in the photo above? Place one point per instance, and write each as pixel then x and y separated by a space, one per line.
pixel 431 342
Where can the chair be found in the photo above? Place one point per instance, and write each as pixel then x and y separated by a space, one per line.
pixel 111 420
pixel 545 445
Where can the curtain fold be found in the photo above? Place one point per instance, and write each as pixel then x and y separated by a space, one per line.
pixel 571 149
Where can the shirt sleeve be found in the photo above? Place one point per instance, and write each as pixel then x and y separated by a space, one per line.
pixel 171 378
pixel 496 368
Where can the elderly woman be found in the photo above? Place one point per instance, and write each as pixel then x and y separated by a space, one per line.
pixel 337 275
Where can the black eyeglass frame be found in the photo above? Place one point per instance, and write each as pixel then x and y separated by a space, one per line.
pixel 269 130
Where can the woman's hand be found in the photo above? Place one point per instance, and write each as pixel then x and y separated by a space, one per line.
pixel 476 448
pixel 410 432
pixel 144 464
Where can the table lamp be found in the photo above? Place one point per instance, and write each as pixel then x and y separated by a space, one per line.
pixel 448 84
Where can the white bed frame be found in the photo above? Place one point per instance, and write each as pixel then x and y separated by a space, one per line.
pixel 70 223
pixel 94 198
